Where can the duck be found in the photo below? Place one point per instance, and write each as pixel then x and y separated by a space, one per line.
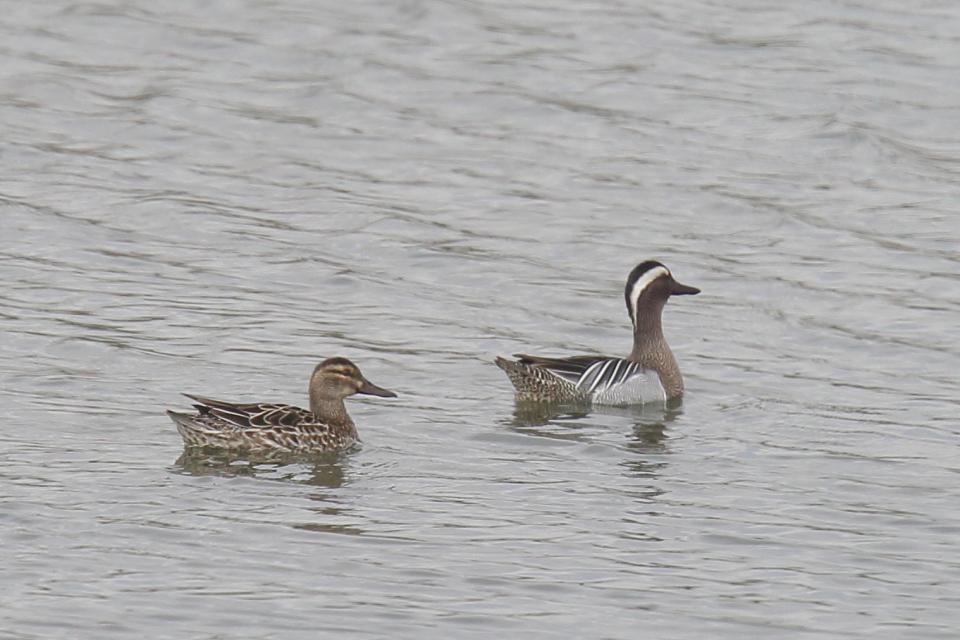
pixel 326 426
pixel 650 373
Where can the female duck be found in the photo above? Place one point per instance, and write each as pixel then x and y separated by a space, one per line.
pixel 279 427
pixel 649 373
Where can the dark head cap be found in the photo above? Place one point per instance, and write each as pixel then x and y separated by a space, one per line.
pixel 650 282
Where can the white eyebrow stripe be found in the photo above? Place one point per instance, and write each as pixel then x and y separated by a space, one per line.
pixel 642 283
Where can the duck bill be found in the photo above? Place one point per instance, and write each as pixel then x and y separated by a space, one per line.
pixel 683 290
pixel 373 390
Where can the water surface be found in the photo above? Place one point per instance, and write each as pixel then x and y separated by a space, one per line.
pixel 212 197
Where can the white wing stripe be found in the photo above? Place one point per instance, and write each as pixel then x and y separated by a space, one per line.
pixel 588 376
pixel 604 374
pixel 624 370
pixel 611 376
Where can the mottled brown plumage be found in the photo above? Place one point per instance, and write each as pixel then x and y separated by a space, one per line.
pixel 534 382
pixel 278 427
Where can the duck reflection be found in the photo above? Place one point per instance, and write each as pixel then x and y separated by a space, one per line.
pixel 648 441
pixel 322 470
pixel 541 418
pixel 579 422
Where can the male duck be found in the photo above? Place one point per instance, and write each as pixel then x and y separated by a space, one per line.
pixel 649 373
pixel 279 427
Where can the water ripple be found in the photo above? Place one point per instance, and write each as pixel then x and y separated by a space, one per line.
pixel 213 197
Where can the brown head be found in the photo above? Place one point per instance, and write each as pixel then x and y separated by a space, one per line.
pixel 336 378
pixel 649 286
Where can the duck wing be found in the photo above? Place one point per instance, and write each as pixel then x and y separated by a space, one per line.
pixel 256 414
pixel 591 374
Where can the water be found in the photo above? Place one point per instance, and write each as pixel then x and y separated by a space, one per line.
pixel 212 197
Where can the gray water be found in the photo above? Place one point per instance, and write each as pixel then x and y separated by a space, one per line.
pixel 210 197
